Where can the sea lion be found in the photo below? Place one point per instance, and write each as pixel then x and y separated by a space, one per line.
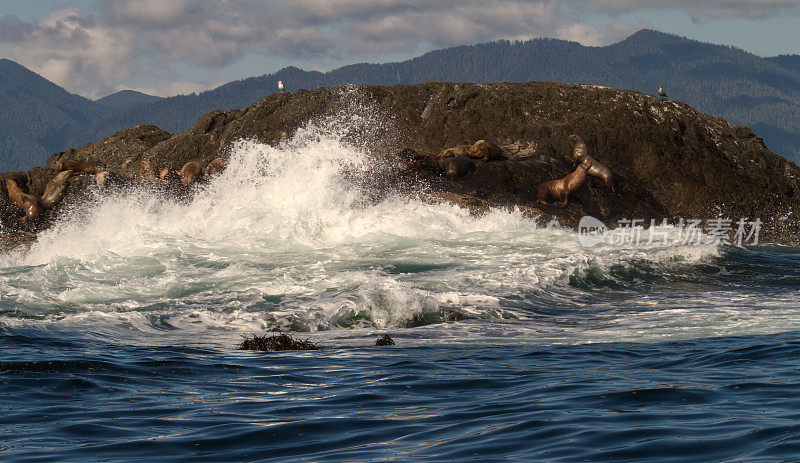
pixel 481 150
pixel 189 173
pixel 25 201
pixel 409 159
pixel 457 166
pixel 580 152
pixel 147 172
pixel 55 189
pixel 168 176
pixel 77 167
pixel 559 190
pixel 485 151
pixel 460 150
pixel 109 179
pixel 215 166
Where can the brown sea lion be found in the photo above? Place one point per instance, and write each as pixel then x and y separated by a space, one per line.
pixel 580 152
pixel 77 167
pixel 55 189
pixel 481 149
pixel 485 151
pixel 147 171
pixel 460 150
pixel 189 173
pixel 168 176
pixel 215 166
pixel 25 201
pixel 559 190
pixel 457 166
pixel 409 159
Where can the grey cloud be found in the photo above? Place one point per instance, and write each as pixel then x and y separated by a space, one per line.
pixel 126 38
pixel 14 30
pixel 709 9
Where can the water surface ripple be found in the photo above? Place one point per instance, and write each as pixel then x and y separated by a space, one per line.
pixel 709 399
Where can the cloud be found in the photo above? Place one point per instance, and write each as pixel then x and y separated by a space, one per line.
pixel 118 41
pixel 699 11
pixel 72 49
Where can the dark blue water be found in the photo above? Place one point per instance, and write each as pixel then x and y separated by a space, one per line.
pixel 718 399
pixel 119 326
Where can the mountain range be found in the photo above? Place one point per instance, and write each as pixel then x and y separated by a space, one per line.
pixel 41 118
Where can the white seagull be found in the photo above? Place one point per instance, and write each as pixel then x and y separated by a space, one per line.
pixel 280 85
pixel 661 91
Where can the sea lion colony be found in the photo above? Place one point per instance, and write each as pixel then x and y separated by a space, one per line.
pixel 27 211
pixel 24 211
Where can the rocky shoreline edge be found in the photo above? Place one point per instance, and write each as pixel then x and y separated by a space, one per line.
pixel 669 160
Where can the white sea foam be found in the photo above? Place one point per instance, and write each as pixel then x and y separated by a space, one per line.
pixel 285 238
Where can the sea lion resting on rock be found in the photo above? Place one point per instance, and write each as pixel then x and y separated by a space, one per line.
pixel 189 173
pixel 55 189
pixel 25 201
pixel 147 172
pixel 481 150
pixel 580 152
pixel 485 151
pixel 76 167
pixel 215 166
pixel 168 176
pixel 408 159
pixel 457 166
pixel 559 190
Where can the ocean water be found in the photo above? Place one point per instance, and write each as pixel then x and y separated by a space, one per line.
pixel 119 327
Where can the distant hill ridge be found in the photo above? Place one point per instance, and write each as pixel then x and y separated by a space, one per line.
pixel 763 93
pixel 126 99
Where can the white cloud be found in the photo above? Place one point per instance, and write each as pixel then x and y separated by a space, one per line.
pixel 76 51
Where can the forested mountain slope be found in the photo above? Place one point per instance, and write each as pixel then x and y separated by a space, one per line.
pixel 763 93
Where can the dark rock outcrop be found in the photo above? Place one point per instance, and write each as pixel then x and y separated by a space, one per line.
pixel 112 152
pixel 668 159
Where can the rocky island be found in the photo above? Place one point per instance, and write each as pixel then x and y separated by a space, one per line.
pixel 668 159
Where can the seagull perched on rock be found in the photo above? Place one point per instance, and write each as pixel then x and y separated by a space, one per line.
pixel 280 86
pixel 661 92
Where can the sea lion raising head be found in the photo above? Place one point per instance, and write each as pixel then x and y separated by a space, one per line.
pixel 580 153
pixel 559 190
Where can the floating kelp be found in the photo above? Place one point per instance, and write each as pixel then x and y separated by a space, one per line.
pixel 276 342
pixel 384 340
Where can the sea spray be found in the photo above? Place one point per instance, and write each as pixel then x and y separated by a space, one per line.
pixel 293 237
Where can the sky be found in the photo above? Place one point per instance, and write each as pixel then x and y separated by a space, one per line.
pixel 170 47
